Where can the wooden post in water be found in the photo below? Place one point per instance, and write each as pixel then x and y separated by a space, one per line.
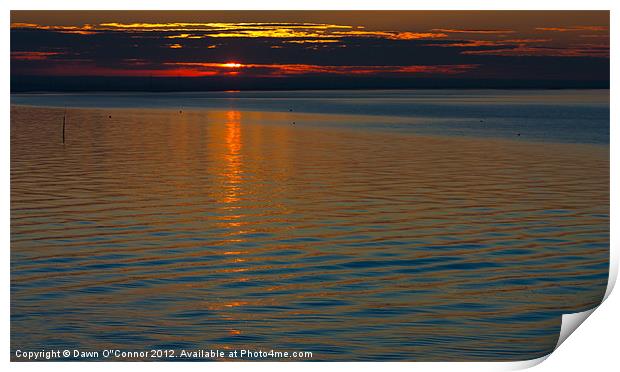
pixel 64 121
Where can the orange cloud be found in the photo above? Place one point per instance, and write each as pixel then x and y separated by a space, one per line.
pixel 491 43
pixel 595 36
pixel 470 43
pixel 392 34
pixel 526 41
pixel 573 28
pixel 467 31
pixel 86 68
pixel 524 50
pixel 194 30
pixel 32 56
pixel 220 25
pixel 184 36
pixel 299 69
pixel 84 29
pixel 305 41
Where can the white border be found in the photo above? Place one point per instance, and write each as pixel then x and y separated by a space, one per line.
pixel 313 5
pixel 592 346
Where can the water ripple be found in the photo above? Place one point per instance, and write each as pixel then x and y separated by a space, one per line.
pixel 214 229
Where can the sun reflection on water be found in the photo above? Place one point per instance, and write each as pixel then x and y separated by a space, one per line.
pixel 233 173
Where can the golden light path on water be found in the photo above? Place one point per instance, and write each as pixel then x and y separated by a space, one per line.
pixel 236 229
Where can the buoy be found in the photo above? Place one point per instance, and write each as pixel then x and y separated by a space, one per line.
pixel 64 120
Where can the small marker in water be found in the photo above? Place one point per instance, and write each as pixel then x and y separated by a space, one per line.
pixel 64 120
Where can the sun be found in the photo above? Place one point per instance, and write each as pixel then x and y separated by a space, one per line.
pixel 231 65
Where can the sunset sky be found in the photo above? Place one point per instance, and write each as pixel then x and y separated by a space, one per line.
pixel 233 47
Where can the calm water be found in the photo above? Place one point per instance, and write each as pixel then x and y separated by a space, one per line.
pixel 231 228
pixel 575 116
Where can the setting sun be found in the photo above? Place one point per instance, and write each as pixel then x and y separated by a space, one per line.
pixel 231 65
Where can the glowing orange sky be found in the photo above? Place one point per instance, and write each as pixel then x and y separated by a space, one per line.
pixel 270 44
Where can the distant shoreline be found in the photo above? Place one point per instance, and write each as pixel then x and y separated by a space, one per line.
pixel 29 84
pixel 288 90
